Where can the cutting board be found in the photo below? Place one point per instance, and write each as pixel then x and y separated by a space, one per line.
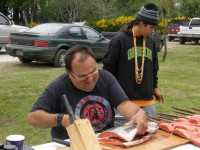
pixel 160 141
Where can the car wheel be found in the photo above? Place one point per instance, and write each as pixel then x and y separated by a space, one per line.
pixel 24 60
pixel 59 58
pixel 182 40
pixel 170 38
pixel 196 41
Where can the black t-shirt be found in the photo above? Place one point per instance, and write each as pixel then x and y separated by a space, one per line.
pixel 96 105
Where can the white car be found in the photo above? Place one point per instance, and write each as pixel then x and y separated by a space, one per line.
pixel 7 27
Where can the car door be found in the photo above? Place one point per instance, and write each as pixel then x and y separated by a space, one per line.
pixel 5 29
pixel 97 43
pixel 88 37
pixel 76 36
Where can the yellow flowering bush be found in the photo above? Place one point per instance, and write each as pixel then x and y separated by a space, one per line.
pixel 32 24
pixel 112 25
pixel 161 25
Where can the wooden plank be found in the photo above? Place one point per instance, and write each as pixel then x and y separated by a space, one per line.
pixel 171 115
pixel 82 136
pixel 186 110
pixel 182 113
pixel 161 119
pixel 196 109
pixel 161 140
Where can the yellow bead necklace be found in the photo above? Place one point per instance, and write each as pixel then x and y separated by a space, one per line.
pixel 139 72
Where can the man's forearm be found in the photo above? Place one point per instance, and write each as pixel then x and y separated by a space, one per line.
pixel 128 109
pixel 42 119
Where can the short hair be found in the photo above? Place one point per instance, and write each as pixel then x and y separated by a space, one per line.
pixel 69 55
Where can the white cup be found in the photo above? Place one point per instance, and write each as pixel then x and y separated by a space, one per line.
pixel 17 140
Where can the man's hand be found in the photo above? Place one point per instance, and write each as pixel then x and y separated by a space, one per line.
pixel 135 114
pixel 158 95
pixel 65 120
pixel 140 119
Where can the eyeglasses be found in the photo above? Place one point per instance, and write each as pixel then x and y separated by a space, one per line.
pixel 85 77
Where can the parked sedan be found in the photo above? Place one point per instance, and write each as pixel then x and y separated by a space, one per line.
pixel 48 42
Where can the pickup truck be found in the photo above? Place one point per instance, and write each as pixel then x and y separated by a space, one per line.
pixel 156 35
pixel 174 27
pixel 7 27
pixel 191 32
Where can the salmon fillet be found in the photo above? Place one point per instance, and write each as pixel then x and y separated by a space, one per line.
pixel 118 142
pixel 125 136
pixel 166 127
pixel 186 128
pixel 194 119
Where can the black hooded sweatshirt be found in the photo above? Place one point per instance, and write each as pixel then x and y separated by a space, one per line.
pixel 120 61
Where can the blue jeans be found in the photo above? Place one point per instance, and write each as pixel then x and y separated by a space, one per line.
pixel 150 110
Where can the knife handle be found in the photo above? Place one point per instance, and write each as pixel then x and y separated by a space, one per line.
pixel 69 109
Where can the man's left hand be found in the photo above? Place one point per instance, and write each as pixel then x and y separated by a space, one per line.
pixel 158 95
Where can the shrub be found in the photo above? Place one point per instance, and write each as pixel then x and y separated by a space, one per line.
pixel 32 24
pixel 113 25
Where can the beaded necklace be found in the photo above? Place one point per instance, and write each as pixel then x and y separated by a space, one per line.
pixel 139 72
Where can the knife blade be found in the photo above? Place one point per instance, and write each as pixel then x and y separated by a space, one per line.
pixel 69 109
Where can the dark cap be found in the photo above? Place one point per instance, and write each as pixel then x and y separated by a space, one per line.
pixel 148 14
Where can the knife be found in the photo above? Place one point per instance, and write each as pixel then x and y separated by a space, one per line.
pixel 69 109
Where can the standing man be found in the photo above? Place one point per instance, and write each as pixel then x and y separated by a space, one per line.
pixel 132 59
pixel 92 93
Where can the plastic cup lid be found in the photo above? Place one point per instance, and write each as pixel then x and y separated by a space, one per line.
pixel 15 138
pixel 9 147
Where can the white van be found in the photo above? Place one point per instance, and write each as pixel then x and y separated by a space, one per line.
pixel 7 27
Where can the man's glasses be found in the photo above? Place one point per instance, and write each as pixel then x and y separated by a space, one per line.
pixel 85 77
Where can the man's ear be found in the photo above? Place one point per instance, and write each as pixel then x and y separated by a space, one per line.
pixel 68 72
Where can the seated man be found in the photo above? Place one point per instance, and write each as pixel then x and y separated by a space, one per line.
pixel 92 93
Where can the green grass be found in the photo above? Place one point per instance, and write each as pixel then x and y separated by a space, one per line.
pixel 21 85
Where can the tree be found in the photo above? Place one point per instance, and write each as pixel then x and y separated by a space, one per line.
pixel 190 8
pixel 4 7
pixel 166 7
pixel 105 9
pixel 23 10
pixel 69 11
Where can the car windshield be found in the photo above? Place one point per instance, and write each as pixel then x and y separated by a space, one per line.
pixel 46 29
pixel 177 23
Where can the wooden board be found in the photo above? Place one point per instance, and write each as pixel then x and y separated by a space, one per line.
pixel 160 141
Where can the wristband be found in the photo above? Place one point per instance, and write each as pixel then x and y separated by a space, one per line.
pixel 59 119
